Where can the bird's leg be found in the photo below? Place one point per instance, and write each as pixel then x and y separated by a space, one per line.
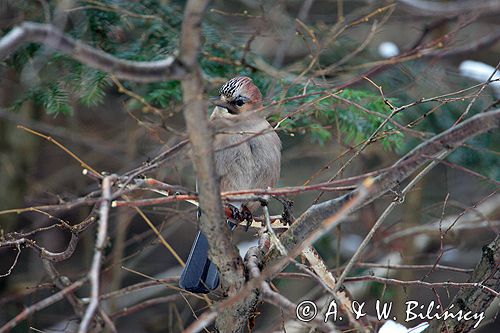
pixel 264 201
pixel 237 215
pixel 246 214
pixel 287 214
pixel 232 213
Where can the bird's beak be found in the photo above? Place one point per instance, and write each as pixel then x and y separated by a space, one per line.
pixel 223 104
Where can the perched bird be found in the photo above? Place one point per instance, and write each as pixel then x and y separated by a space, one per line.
pixel 247 155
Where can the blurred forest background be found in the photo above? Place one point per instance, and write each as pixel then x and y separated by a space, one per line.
pixel 320 51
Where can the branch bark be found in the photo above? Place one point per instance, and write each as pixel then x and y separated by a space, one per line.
pixel 48 35
pixel 185 67
pixel 253 261
pixel 307 224
pixel 221 251
pixel 100 243
pixel 446 141
pixel 41 305
pixel 474 299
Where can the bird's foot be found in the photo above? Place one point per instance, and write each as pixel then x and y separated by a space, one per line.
pixel 287 214
pixel 236 215
pixel 246 215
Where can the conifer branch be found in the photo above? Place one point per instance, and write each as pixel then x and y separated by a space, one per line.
pixel 46 34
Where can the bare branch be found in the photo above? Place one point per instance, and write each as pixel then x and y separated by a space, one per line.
pixel 99 247
pixel 382 218
pixel 222 252
pixel 433 8
pixel 447 284
pixel 203 321
pixel 48 35
pixel 471 218
pixel 446 141
pixel 307 227
pixel 480 44
pixel 18 252
pixel 487 274
pixel 43 252
pixel 241 304
pixel 62 282
pixel 140 306
pixel 253 261
pixel 40 306
pixel 413 267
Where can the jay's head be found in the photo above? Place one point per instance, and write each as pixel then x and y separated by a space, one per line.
pixel 239 95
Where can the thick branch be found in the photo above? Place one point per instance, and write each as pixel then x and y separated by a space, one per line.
pixel 253 261
pixel 475 299
pixel 48 35
pixel 222 252
pixel 448 140
pixel 243 303
pixel 307 224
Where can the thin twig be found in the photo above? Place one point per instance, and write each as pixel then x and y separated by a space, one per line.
pixel 484 85
pixel 160 237
pixel 274 239
pixel 382 218
pixel 66 150
pixel 18 247
pixel 423 283
pixel 99 248
pixel 40 306
pixel 392 266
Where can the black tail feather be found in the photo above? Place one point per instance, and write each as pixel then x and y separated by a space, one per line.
pixel 200 275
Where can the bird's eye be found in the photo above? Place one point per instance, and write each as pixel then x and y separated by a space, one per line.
pixel 240 102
